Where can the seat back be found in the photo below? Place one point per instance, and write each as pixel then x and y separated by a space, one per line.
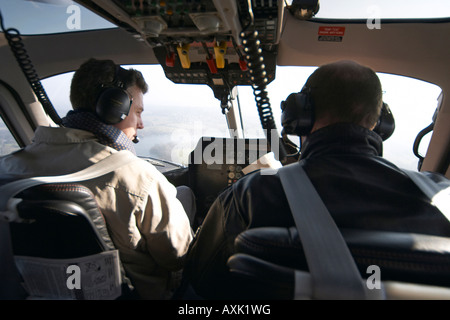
pixel 61 247
pixel 336 262
pixel 269 261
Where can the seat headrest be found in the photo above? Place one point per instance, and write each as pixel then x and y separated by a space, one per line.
pixel 408 257
pixel 57 214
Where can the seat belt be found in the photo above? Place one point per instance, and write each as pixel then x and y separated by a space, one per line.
pixel 334 274
pixel 100 168
pixel 327 254
pixel 8 211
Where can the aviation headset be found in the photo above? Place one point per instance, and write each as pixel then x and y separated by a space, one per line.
pixel 297 117
pixel 113 102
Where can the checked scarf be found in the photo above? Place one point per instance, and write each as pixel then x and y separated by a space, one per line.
pixel 106 134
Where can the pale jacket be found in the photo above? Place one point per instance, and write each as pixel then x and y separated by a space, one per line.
pixel 145 220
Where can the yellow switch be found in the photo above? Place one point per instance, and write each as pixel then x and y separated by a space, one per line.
pixel 183 54
pixel 219 51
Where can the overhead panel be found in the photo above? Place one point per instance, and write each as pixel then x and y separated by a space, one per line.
pixel 198 41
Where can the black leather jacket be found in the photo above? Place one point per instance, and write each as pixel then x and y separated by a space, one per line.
pixel 360 189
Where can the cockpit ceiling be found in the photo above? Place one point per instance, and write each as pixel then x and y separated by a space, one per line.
pixel 406 48
pixel 58 53
pixel 416 49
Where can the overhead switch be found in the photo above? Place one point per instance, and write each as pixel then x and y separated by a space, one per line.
pixel 220 49
pixel 183 54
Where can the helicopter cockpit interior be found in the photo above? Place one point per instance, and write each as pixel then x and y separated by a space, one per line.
pixel 236 49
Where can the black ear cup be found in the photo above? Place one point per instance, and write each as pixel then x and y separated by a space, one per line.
pixel 297 113
pixel 386 124
pixel 113 102
pixel 113 105
pixel 297 116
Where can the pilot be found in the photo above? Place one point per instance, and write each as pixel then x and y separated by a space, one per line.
pixel 146 221
pixel 342 156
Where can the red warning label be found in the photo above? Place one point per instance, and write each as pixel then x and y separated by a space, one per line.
pixel 332 31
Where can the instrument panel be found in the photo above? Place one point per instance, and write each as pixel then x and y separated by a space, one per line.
pixel 217 163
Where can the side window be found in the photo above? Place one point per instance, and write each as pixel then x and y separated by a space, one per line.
pixel 412 102
pixel 7 142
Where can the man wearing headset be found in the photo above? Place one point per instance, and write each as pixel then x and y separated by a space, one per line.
pixel 145 220
pixel 335 112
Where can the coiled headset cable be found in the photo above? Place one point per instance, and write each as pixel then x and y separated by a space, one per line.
pixel 258 76
pixel 17 46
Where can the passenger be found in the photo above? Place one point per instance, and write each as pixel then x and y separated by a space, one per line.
pixel 343 159
pixel 145 220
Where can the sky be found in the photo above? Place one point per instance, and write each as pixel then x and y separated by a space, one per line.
pixel 383 8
